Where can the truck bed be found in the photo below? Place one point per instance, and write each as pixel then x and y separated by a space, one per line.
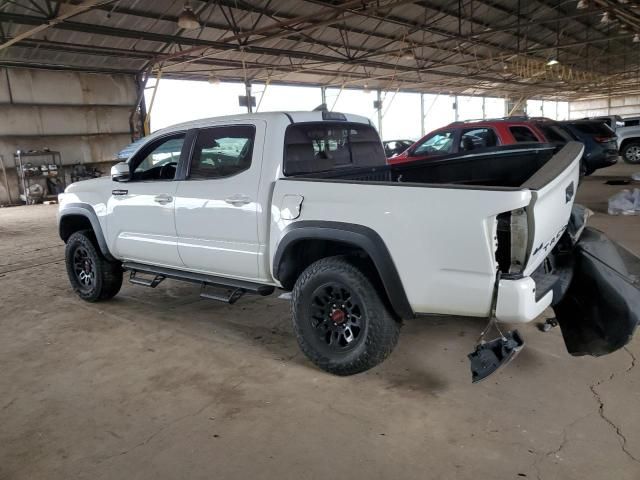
pixel 439 219
pixel 506 167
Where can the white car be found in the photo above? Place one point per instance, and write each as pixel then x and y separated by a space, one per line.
pixel 304 201
pixel 628 139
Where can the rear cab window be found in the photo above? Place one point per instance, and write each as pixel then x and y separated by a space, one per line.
pixel 324 146
pixel 522 133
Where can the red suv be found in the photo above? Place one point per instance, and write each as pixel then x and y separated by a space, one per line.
pixel 460 137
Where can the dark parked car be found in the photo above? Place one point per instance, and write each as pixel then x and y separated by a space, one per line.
pixel 600 148
pixel 394 147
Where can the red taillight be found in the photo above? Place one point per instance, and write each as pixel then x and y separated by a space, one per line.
pixel 604 139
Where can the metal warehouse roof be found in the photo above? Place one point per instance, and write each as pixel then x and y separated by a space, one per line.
pixel 480 47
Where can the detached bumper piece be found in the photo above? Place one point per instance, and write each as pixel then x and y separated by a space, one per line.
pixel 490 356
pixel 601 309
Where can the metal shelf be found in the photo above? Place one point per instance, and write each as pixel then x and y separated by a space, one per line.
pixel 34 166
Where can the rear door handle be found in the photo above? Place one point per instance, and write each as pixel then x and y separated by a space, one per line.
pixel 163 199
pixel 238 200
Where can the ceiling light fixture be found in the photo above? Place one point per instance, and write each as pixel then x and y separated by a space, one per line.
pixel 188 19
pixel 636 38
pixel 213 80
pixel 365 88
pixel 606 18
pixel 552 62
pixel 408 55
pixel 582 4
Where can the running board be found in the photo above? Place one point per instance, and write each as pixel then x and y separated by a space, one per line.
pixel 237 287
pixel 228 295
pixel 145 282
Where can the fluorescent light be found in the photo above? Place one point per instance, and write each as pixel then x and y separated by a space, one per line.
pixel 552 62
pixel 606 18
pixel 408 55
pixel 187 19
pixel 636 38
pixel 582 4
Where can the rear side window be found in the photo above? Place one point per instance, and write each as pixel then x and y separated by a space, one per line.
pixel 595 128
pixel 523 134
pixel 323 146
pixel 222 152
pixel 555 134
pixel 475 138
pixel 632 123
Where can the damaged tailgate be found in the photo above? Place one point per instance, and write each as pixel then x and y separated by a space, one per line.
pixel 601 308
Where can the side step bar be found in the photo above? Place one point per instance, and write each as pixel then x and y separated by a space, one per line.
pixel 234 288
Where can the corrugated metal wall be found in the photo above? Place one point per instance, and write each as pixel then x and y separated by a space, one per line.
pixel 83 116
pixel 625 106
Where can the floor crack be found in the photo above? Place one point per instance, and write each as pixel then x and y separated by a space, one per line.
pixel 621 437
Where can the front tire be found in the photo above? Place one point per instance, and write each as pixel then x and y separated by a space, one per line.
pixel 92 276
pixel 341 323
pixel 631 152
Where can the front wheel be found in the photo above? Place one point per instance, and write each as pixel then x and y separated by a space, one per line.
pixel 631 152
pixel 92 276
pixel 341 323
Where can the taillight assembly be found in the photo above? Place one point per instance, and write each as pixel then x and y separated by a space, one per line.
pixel 603 139
pixel 512 236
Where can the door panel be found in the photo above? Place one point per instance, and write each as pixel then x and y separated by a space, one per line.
pixel 216 206
pixel 141 222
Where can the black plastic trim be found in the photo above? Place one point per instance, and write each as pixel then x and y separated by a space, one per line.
pixel 88 212
pixel 199 278
pixel 356 235
pixel 289 117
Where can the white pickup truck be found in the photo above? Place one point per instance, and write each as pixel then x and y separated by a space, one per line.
pixel 305 202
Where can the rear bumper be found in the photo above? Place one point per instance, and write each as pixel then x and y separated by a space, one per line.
pixel 517 301
pixel 602 160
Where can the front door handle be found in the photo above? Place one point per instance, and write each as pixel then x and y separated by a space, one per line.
pixel 238 200
pixel 163 199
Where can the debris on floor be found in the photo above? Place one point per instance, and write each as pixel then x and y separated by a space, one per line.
pixel 626 202
pixel 548 324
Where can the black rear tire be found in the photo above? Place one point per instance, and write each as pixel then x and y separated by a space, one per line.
pixel 92 276
pixel 341 323
pixel 631 152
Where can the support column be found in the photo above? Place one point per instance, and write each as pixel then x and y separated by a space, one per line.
pixel 379 94
pixel 422 114
pixel 516 107
pixel 248 94
pixel 323 96
pixel 484 111
pixel 455 108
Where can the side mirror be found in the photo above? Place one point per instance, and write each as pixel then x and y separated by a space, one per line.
pixel 120 172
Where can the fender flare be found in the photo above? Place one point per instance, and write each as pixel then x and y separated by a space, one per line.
pixel 358 236
pixel 87 211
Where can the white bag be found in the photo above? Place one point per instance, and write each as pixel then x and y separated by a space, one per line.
pixel 625 202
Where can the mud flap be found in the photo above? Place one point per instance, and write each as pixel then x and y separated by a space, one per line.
pixel 601 308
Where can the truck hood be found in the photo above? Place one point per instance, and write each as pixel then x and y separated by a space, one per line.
pixel 92 184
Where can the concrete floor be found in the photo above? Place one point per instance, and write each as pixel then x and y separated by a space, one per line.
pixel 158 384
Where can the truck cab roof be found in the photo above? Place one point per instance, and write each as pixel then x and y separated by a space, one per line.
pixel 289 117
